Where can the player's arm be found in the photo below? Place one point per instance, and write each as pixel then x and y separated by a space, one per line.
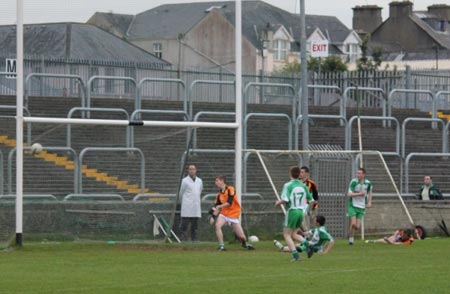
pixel 328 247
pixel 315 192
pixel 283 197
pixel 351 191
pixel 369 195
pixel 280 202
pixel 309 197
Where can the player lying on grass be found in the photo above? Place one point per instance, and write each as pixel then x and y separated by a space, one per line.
pixel 316 240
pixel 400 237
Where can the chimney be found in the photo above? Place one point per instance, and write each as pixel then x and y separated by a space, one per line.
pixel 366 18
pixel 400 9
pixel 442 11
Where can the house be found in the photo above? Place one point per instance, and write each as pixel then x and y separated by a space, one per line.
pixel 201 35
pixel 418 38
pixel 76 49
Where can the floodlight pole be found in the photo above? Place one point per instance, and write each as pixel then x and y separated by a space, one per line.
pixel 238 87
pixel 304 79
pixel 19 124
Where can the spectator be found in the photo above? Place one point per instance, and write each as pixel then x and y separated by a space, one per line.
pixel 428 190
pixel 190 192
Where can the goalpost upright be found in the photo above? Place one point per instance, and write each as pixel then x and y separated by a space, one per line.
pixel 19 123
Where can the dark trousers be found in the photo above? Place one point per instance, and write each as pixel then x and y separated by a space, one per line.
pixel 184 224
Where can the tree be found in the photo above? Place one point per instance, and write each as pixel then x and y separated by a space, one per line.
pixel 331 63
pixel 374 61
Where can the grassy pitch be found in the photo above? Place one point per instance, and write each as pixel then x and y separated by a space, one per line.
pixel 423 267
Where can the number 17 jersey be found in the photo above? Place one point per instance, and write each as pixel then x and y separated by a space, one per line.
pixel 296 195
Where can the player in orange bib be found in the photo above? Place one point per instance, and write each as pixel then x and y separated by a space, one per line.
pixel 227 210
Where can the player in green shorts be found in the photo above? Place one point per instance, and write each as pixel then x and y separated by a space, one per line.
pixel 295 196
pixel 360 197
pixel 317 239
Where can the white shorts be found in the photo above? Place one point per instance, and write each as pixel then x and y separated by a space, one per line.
pixel 230 220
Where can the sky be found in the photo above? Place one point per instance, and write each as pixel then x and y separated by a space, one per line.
pixel 42 11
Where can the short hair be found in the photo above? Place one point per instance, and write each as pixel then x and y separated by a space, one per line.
pixel 362 169
pixel 294 171
pixel 305 168
pixel 222 178
pixel 320 220
pixel 192 164
pixel 408 233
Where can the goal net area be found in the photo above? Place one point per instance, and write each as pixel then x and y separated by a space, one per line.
pixel 332 171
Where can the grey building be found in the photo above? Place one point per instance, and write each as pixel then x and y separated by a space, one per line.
pixel 201 35
pixel 78 49
pixel 73 41
pixel 405 31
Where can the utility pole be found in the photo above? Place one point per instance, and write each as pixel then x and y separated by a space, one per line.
pixel 304 78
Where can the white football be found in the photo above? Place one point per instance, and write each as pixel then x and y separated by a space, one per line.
pixel 36 148
pixel 253 239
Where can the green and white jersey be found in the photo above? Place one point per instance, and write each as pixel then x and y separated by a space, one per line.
pixel 319 236
pixel 296 195
pixel 355 187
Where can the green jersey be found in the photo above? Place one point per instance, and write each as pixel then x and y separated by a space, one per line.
pixel 319 236
pixel 296 195
pixel 355 187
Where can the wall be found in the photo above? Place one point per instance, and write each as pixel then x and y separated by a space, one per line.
pixel 131 220
pixel 220 46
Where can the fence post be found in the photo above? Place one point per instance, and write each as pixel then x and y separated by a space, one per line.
pixel 408 83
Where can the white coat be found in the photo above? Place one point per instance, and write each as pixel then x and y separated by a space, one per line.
pixel 190 193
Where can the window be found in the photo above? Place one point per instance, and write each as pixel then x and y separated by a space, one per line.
pixel 157 50
pixel 441 25
pixel 281 48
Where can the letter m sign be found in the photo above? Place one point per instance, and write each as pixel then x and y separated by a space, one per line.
pixel 10 67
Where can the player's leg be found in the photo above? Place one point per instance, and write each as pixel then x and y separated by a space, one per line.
pixel 351 230
pixel 351 213
pixel 237 228
pixel 220 222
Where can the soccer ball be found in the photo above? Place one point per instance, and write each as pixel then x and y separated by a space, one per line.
pixel 36 148
pixel 253 239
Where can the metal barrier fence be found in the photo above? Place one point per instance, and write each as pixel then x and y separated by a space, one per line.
pixel 348 140
pixel 77 166
pixel 433 120
pixel 99 149
pixel 88 110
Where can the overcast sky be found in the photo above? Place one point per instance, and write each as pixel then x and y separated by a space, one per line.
pixel 38 11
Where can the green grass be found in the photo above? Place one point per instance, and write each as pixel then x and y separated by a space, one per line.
pixel 99 268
